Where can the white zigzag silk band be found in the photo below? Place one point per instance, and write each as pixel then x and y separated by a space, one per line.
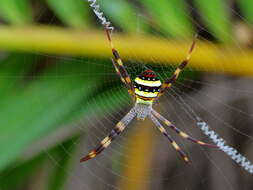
pixel 230 151
pixel 99 13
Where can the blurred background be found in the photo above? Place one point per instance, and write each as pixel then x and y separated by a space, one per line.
pixel 60 95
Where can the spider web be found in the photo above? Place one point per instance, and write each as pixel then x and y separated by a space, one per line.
pixel 223 101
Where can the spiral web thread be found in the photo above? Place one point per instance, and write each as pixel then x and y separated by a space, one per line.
pixel 220 142
pixel 230 151
pixel 99 14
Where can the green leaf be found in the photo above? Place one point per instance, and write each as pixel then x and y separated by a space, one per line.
pixel 17 176
pixel 105 102
pixel 43 105
pixel 171 16
pixel 72 13
pixel 215 15
pixel 122 13
pixel 16 11
pixel 12 72
pixel 246 7
pixel 64 155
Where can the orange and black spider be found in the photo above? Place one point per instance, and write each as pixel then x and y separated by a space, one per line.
pixel 145 89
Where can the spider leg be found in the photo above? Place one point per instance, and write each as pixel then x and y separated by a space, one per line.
pixel 173 143
pixel 120 126
pixel 178 131
pixel 121 77
pixel 168 82
pixel 119 67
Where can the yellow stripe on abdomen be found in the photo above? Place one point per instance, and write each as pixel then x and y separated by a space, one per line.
pixel 149 83
pixel 146 94
pixel 142 101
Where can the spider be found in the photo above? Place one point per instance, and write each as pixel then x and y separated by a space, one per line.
pixel 145 90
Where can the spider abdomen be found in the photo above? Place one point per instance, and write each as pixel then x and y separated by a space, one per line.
pixel 146 87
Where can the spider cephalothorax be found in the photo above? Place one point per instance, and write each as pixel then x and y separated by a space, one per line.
pixel 145 89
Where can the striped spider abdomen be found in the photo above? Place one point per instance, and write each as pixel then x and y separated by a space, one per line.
pixel 146 87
